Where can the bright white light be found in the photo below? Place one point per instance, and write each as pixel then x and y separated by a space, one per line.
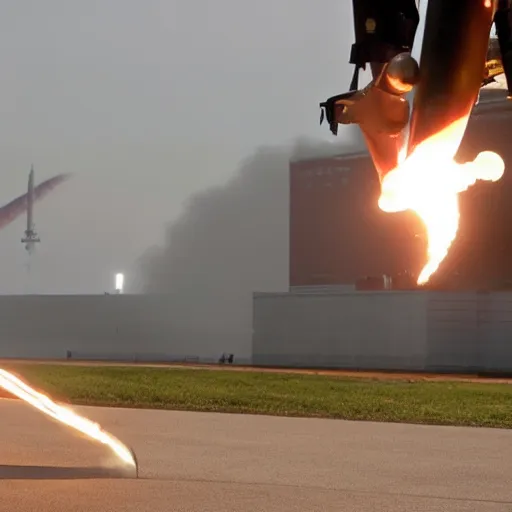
pixel 119 283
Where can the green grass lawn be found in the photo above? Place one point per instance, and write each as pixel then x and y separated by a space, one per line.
pixel 448 403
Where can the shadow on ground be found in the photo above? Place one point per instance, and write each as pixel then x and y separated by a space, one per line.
pixel 62 473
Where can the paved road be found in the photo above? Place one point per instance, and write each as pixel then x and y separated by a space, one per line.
pixel 228 463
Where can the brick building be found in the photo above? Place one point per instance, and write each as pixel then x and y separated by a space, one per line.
pixel 338 234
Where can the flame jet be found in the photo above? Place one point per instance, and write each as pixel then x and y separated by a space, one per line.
pixel 414 153
pixel 428 179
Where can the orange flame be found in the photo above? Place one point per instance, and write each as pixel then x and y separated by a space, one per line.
pixel 429 181
pixel 18 388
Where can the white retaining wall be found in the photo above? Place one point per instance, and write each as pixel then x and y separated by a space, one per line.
pixel 385 330
pixel 122 327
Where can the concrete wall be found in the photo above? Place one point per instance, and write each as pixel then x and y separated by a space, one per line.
pixel 352 330
pixel 470 331
pixel 122 327
pixel 385 330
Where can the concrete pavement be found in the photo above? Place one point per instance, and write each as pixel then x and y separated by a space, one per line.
pixel 220 462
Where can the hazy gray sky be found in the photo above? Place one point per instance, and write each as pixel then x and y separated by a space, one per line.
pixel 147 102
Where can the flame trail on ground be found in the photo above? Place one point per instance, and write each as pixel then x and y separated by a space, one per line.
pixel 43 403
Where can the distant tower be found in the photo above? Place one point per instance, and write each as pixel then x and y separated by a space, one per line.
pixel 31 237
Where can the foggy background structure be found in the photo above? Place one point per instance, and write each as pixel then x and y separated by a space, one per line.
pixel 146 104
pixel 230 241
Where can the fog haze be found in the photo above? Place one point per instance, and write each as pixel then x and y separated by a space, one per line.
pixel 147 103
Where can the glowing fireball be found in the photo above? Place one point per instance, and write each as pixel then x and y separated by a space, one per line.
pixel 429 182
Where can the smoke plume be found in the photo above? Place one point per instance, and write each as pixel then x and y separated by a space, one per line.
pixel 229 242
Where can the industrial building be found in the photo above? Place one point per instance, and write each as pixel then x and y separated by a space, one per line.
pixel 342 243
pixel 339 241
